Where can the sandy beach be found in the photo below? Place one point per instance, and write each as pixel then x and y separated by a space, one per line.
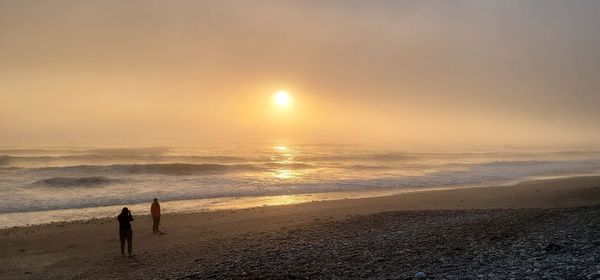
pixel 291 139
pixel 532 230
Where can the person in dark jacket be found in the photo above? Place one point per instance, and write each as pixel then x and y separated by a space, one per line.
pixel 125 232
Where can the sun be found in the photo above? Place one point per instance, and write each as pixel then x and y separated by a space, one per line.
pixel 282 99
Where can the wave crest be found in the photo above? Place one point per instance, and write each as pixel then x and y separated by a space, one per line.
pixel 163 169
pixel 4 160
pixel 93 181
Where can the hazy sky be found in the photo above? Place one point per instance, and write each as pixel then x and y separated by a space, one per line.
pixel 196 72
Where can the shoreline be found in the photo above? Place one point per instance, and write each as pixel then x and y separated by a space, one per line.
pixel 89 249
pixel 35 218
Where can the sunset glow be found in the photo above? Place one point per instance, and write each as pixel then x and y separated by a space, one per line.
pixel 461 125
pixel 169 78
pixel 282 99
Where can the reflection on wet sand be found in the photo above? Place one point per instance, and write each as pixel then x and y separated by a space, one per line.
pixel 196 205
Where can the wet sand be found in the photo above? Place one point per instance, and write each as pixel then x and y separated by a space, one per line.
pixel 224 243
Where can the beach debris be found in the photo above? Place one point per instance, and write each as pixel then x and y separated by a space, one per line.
pixel 420 275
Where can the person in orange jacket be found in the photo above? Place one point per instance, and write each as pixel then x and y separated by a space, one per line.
pixel 155 210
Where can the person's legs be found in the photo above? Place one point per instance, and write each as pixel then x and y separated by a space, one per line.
pixel 122 236
pixel 155 224
pixel 129 240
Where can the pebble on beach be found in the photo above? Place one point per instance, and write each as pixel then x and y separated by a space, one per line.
pixel 420 275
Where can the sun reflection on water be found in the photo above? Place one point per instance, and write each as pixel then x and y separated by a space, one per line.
pixel 284 174
pixel 283 156
pixel 281 148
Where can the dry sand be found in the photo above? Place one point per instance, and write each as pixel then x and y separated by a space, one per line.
pixel 90 249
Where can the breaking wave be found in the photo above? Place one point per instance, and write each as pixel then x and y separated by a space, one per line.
pixel 79 150
pixel 368 167
pixel 44 160
pixel 4 160
pixel 162 169
pixel 94 181
pixel 68 177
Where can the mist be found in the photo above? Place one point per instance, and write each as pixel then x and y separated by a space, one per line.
pixel 187 72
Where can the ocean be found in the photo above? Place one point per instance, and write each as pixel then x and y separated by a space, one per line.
pixel 52 184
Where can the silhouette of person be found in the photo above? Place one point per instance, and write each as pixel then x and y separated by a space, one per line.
pixel 125 232
pixel 155 210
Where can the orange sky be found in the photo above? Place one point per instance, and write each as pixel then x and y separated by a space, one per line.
pixel 201 72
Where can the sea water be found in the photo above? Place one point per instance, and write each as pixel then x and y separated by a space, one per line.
pixel 47 184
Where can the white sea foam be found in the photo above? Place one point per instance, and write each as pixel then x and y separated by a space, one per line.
pixel 55 179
